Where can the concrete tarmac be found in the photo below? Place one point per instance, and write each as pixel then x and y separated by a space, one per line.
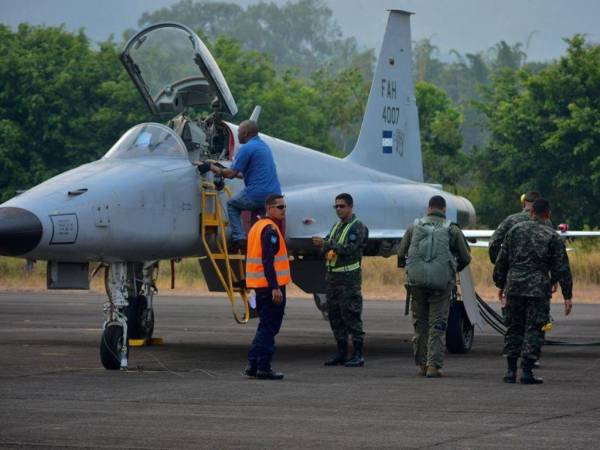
pixel 189 392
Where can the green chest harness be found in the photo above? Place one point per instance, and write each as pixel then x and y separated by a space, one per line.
pixel 331 262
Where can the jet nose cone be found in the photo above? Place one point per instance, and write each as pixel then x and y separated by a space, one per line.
pixel 20 231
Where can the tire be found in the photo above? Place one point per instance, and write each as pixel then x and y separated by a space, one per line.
pixel 110 346
pixel 459 332
pixel 140 319
pixel 321 302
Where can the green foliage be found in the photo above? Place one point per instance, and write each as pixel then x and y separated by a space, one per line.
pixel 464 78
pixel 441 141
pixel 545 136
pixel 302 35
pixel 61 103
pixel 291 106
pixel 343 98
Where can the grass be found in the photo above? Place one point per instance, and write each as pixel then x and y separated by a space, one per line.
pixel 381 278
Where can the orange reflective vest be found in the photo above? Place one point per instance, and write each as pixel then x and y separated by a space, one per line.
pixel 255 272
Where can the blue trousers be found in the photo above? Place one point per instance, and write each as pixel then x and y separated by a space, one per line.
pixel 235 205
pixel 270 318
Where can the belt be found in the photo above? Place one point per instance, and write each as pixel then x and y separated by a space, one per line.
pixel 348 268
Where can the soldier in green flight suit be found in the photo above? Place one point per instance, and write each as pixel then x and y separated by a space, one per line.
pixel 433 250
pixel 532 261
pixel 343 248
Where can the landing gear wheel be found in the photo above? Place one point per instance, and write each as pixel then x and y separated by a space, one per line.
pixel 140 318
pixel 110 346
pixel 321 302
pixel 460 332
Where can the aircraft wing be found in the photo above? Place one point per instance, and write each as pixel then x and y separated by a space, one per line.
pixel 578 234
pixel 480 238
pixel 478 234
pixel 373 234
pixel 486 234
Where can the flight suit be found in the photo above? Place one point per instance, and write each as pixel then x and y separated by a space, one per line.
pixel 430 306
pixel 344 280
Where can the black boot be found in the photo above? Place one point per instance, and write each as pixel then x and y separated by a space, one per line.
pixel 357 359
pixel 511 373
pixel 339 357
pixel 269 375
pixel 527 376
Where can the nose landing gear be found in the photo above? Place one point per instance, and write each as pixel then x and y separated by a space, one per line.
pixel 128 312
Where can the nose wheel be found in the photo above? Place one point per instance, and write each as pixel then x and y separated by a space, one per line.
pixel 113 347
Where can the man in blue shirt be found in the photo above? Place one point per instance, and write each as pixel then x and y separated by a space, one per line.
pixel 254 163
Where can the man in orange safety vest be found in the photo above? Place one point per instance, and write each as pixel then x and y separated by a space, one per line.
pixel 267 272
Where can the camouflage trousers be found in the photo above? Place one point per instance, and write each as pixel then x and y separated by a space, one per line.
pixel 525 317
pixel 430 318
pixel 344 305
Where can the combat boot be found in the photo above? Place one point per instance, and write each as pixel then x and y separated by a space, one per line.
pixel 269 375
pixel 250 371
pixel 511 372
pixel 527 376
pixel 433 372
pixel 339 357
pixel 357 359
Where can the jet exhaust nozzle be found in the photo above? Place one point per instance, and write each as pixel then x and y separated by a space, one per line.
pixel 20 231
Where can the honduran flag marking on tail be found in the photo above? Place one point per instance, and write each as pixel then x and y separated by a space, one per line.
pixel 387 141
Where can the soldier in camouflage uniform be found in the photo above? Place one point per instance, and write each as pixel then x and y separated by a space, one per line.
pixel 431 301
pixel 531 262
pixel 497 238
pixel 500 233
pixel 343 248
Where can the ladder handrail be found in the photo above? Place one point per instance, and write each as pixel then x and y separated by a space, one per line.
pixel 216 226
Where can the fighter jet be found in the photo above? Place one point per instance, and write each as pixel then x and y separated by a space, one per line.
pixel 144 201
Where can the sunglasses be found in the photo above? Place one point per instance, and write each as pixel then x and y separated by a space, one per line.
pixel 339 206
pixel 278 206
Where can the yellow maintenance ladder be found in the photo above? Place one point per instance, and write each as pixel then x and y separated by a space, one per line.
pixel 213 224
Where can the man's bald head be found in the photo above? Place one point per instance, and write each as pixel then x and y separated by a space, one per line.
pixel 247 130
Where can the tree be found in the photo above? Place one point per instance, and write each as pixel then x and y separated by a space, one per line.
pixel 441 141
pixel 545 131
pixel 292 107
pixel 302 35
pixel 61 103
pixel 343 99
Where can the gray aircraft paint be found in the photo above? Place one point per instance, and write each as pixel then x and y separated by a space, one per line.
pixel 389 138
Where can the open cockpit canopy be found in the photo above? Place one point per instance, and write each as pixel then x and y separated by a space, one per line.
pixel 173 69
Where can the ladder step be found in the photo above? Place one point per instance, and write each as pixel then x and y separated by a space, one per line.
pixel 214 223
pixel 230 256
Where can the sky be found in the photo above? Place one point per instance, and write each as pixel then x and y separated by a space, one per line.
pixel 467 26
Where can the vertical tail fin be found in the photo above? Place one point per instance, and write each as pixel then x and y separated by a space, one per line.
pixel 389 136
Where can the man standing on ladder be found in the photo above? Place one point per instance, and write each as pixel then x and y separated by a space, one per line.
pixel 343 248
pixel 255 164
pixel 267 272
